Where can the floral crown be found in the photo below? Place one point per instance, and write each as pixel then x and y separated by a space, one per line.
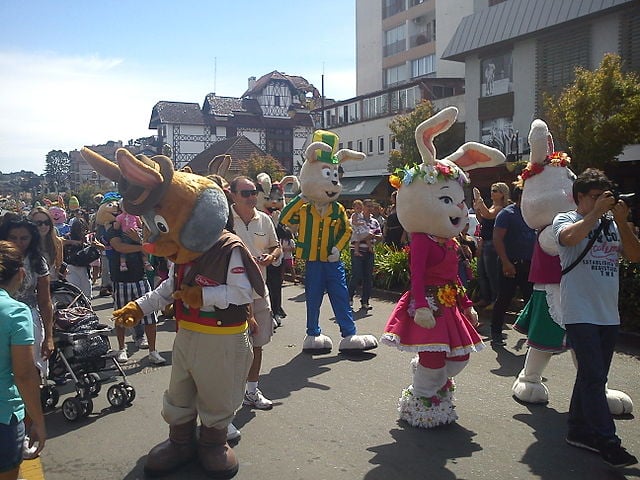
pixel 556 159
pixel 429 173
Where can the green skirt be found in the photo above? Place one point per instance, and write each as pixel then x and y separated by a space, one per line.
pixel 536 323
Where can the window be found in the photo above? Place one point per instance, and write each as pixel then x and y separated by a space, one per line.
pixel 340 145
pixel 394 41
pixel 369 146
pixel 380 144
pixel 392 142
pixel 360 149
pixel 395 75
pixel 423 66
pixel 350 144
pixel 276 100
pixel 391 7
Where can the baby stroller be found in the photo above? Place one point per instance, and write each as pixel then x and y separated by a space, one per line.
pixel 82 350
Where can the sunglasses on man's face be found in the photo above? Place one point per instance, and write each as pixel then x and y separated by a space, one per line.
pixel 247 193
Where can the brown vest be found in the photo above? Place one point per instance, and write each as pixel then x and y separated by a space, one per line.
pixel 214 265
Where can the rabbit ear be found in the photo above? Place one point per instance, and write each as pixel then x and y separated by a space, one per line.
pixel 264 180
pixel 431 128
pixel 346 154
pixel 219 165
pixel 311 152
pixel 474 155
pixel 540 141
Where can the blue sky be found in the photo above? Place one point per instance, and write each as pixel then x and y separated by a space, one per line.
pixel 80 73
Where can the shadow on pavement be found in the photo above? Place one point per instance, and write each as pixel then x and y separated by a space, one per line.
pixel 416 453
pixel 548 456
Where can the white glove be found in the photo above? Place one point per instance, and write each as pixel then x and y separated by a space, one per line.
pixel 424 318
pixel 472 316
pixel 334 256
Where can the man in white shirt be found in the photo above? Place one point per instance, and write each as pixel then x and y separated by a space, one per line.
pixel 256 230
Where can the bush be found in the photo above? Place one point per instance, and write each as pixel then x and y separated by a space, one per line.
pixel 391 267
pixel 629 301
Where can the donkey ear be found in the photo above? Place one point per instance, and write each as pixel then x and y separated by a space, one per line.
pixel 431 128
pixel 540 141
pixel 474 155
pixel 101 164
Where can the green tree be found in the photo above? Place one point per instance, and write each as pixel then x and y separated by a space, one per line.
pixel 404 127
pixel 57 169
pixel 262 164
pixel 597 115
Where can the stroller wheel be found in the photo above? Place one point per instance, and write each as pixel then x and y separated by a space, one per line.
pixel 87 406
pixel 91 383
pixel 72 409
pixel 117 396
pixel 131 392
pixel 49 397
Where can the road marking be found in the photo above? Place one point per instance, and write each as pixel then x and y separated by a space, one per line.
pixel 31 470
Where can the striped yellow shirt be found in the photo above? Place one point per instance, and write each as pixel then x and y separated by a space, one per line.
pixel 317 234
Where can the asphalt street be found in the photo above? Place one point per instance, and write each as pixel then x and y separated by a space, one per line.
pixel 335 417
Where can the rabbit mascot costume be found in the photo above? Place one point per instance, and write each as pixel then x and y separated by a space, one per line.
pixel 211 284
pixel 547 186
pixel 435 318
pixel 323 231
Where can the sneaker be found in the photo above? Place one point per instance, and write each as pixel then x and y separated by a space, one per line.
pixel 366 307
pixel 121 356
pixel 142 343
pixel 156 358
pixel 498 341
pixel 282 314
pixel 233 433
pixel 257 400
pixel 28 453
pixel 583 441
pixel 616 456
pixel 277 321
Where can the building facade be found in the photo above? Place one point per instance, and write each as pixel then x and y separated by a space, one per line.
pixel 398 41
pixel 274 113
pixel 516 50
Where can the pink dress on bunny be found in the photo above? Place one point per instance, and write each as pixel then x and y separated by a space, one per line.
pixel 434 284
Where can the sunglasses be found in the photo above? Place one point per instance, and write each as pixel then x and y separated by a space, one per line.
pixel 41 223
pixel 247 193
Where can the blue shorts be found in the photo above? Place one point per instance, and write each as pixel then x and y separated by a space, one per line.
pixel 11 438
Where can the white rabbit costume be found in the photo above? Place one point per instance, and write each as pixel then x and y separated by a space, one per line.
pixel 547 189
pixel 435 318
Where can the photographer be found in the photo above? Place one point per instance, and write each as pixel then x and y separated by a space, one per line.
pixel 590 244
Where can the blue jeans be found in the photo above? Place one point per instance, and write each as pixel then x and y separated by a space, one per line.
pixel 11 438
pixel 488 272
pixel 361 273
pixel 589 412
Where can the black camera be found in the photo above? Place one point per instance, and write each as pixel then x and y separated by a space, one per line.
pixel 631 199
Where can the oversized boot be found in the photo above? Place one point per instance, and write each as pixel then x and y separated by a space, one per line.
pixel 216 456
pixel 619 402
pixel 173 453
pixel 528 387
pixel 428 402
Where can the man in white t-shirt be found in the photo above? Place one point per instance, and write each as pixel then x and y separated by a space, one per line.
pixel 589 306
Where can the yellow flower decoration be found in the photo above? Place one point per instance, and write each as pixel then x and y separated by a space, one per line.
pixel 395 181
pixel 447 295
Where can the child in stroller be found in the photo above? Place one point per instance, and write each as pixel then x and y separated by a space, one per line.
pixel 82 350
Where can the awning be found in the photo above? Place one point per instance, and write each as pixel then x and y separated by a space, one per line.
pixel 360 186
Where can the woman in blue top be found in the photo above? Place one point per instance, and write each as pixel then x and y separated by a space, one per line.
pixel 19 379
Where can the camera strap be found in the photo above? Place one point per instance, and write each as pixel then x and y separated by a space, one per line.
pixel 603 222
